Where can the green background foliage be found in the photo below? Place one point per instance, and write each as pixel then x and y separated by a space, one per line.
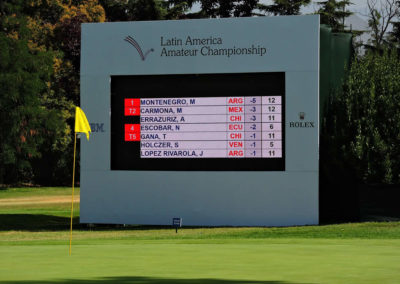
pixel 39 85
pixel 362 127
pixel 333 13
pixel 24 120
pixel 285 7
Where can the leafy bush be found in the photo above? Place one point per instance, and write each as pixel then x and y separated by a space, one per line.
pixel 361 132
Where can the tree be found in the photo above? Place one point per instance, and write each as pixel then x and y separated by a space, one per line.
pixel 24 120
pixel 65 88
pixel 137 10
pixel 361 131
pixel 115 10
pixel 142 10
pixel 178 9
pixel 53 28
pixel 245 8
pixel 223 8
pixel 380 20
pixel 394 35
pixel 284 7
pixel 333 13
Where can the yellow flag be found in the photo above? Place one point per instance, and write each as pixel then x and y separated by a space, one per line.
pixel 81 122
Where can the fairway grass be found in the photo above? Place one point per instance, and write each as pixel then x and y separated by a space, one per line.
pixel 34 249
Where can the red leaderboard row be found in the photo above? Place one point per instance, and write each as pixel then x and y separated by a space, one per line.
pixel 132 132
pixel 132 107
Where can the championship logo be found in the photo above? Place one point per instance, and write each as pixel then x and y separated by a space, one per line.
pixel 134 43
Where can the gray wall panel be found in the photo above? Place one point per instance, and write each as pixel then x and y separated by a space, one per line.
pixel 301 143
pixel 203 198
pixel 212 198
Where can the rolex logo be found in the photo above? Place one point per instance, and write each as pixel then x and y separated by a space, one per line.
pixel 302 123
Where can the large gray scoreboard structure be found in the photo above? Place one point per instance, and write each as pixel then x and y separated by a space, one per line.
pixel 214 121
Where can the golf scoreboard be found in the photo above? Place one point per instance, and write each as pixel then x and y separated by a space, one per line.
pixel 212 120
pixel 244 131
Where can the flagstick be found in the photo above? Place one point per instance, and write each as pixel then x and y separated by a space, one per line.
pixel 72 202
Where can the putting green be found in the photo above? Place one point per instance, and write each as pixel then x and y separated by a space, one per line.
pixel 34 236
pixel 205 261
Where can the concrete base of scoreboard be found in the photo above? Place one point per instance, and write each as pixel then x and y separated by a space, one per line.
pixel 201 199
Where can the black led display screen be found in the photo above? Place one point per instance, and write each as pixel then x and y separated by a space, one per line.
pixel 207 122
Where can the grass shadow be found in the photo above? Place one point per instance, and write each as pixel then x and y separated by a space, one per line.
pixel 42 222
pixel 147 280
pixel 36 222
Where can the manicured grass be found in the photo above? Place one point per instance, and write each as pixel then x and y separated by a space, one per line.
pixel 54 230
pixel 36 207
pixel 230 261
pixel 34 249
pixel 36 191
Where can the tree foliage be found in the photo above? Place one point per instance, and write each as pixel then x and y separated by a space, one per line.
pixel 225 8
pixel 394 35
pixel 142 10
pixel 380 18
pixel 333 13
pixel 24 119
pixel 43 35
pixel 138 10
pixel 362 127
pixel 39 83
pixel 284 7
